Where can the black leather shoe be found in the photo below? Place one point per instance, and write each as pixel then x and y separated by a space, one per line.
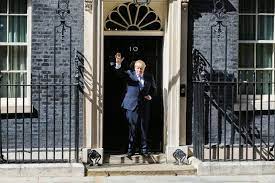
pixel 129 155
pixel 145 154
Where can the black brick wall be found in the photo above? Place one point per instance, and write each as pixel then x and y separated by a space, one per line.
pixel 44 19
pixel 202 39
pixel 202 42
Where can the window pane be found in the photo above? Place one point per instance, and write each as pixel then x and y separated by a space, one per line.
pixel 247 27
pixel 3 81
pixel 246 82
pixel 18 58
pixel 266 6
pixel 3 57
pixel 265 28
pixel 11 79
pixel 264 55
pixel 3 29
pixel 263 77
pixel 246 55
pixel 17 29
pixel 18 6
pixel 247 6
pixel 3 6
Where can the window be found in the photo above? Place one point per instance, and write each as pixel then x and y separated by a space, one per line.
pixel 14 48
pixel 256 45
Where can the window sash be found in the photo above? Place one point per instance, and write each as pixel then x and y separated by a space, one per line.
pixel 17 41
pixel 14 29
pixel 14 7
pixel 261 44
pixel 247 6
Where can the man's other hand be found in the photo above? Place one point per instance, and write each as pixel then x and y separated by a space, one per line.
pixel 148 97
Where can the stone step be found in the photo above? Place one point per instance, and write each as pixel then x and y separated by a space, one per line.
pixel 143 169
pixel 136 159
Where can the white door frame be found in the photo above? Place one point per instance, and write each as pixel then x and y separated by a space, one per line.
pixel 174 60
pixel 133 33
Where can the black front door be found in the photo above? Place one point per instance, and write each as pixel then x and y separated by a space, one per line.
pixel 148 49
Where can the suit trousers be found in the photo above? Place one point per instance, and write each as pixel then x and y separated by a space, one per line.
pixel 138 118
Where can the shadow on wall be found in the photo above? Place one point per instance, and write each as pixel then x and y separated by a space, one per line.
pixel 90 87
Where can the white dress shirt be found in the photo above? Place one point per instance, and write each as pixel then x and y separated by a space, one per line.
pixel 141 81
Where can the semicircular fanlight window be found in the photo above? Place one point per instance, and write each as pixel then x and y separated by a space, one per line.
pixel 132 17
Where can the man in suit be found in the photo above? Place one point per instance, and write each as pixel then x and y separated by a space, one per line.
pixel 139 92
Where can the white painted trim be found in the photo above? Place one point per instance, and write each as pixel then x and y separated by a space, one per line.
pixel 133 33
pixel 5 14
pixel 13 44
pixel 101 69
pixel 15 106
pixel 29 50
pixel 94 52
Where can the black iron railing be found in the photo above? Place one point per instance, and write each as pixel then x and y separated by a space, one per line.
pixel 39 122
pixel 232 125
pixel 233 119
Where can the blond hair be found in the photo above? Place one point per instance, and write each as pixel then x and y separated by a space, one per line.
pixel 143 65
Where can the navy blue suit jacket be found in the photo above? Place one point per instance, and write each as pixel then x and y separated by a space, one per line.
pixel 134 95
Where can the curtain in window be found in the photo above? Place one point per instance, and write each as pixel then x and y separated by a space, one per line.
pixel 265 6
pixel 3 28
pixel 17 29
pixel 264 55
pixel 13 59
pixel 17 62
pixel 247 27
pixel 17 57
pixel 18 6
pixel 3 6
pixel 265 27
pixel 247 76
pixel 247 6
pixel 3 58
pixel 262 82
pixel 10 91
pixel 264 77
pixel 246 55
pixel 12 75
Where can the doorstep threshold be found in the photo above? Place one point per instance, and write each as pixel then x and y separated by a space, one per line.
pixel 141 169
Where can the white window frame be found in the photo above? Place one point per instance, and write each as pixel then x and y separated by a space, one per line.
pixel 244 102
pixel 20 105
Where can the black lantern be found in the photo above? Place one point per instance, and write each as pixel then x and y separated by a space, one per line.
pixel 141 2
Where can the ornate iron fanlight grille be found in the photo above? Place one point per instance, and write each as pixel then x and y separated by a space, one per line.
pixel 132 17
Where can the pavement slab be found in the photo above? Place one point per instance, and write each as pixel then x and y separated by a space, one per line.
pixel 143 179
